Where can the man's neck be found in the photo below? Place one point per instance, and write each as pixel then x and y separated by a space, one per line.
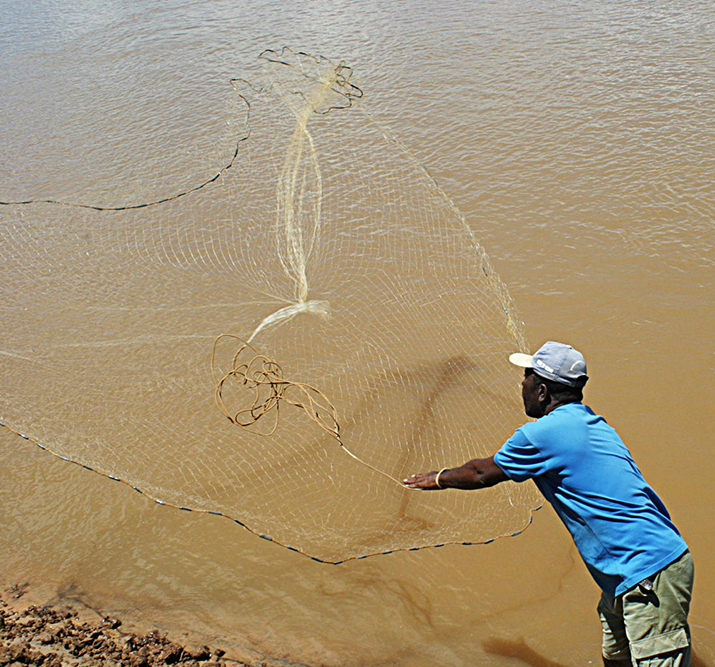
pixel 556 404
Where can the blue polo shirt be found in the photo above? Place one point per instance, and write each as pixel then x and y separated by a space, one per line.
pixel 621 528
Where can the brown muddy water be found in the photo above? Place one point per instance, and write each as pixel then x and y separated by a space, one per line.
pixel 577 141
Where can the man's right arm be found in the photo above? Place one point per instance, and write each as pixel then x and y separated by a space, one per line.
pixel 474 474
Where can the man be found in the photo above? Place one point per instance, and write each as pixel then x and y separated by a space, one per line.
pixel 621 528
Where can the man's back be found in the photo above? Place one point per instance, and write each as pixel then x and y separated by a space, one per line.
pixel 621 527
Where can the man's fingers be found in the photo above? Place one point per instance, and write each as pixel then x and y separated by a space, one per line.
pixel 414 479
pixel 423 481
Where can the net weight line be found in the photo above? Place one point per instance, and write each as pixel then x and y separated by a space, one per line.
pixel 263 536
pixel 128 207
pixel 349 91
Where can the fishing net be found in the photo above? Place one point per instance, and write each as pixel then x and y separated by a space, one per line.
pixel 279 345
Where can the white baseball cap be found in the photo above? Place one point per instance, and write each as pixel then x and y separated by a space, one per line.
pixel 555 361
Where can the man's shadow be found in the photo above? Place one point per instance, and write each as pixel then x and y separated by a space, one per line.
pixel 509 648
pixel 517 649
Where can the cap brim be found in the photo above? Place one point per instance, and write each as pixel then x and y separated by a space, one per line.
pixel 522 360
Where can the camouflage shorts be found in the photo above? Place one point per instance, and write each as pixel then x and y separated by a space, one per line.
pixel 648 624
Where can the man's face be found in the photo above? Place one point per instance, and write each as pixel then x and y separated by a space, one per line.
pixel 530 392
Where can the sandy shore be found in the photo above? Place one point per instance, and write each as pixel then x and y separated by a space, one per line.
pixel 34 634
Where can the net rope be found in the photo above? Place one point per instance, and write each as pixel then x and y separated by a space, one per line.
pixel 278 345
pixel 264 378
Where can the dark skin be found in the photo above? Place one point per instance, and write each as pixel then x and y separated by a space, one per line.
pixel 483 473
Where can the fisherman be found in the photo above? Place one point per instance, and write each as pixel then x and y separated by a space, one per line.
pixel 620 526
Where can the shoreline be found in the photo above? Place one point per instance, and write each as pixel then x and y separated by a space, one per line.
pixel 38 632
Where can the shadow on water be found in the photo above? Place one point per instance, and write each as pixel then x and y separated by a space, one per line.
pixel 698 662
pixel 519 649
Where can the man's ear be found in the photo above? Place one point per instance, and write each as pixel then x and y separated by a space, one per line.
pixel 543 392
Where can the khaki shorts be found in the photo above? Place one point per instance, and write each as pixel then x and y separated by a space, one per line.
pixel 650 627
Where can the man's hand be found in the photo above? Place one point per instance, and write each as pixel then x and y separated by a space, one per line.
pixel 423 481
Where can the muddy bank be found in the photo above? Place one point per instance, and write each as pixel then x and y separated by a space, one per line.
pixel 36 634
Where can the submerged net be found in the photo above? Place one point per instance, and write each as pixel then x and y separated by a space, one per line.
pixel 280 345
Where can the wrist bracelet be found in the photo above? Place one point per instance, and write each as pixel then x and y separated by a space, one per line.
pixel 436 479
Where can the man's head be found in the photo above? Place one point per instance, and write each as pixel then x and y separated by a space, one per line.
pixel 554 375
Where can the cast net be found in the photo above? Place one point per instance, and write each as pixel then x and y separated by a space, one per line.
pixel 320 291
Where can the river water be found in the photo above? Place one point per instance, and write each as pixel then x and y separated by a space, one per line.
pixel 576 138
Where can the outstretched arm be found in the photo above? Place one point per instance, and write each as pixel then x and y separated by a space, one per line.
pixel 474 474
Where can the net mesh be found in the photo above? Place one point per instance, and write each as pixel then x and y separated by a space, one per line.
pixel 320 291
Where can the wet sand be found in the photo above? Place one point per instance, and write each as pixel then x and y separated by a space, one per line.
pixel 35 632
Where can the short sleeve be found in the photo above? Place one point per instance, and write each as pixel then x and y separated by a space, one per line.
pixel 520 459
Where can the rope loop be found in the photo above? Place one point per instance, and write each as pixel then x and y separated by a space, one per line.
pixel 263 378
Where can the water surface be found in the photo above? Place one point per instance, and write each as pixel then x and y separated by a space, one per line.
pixel 575 138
